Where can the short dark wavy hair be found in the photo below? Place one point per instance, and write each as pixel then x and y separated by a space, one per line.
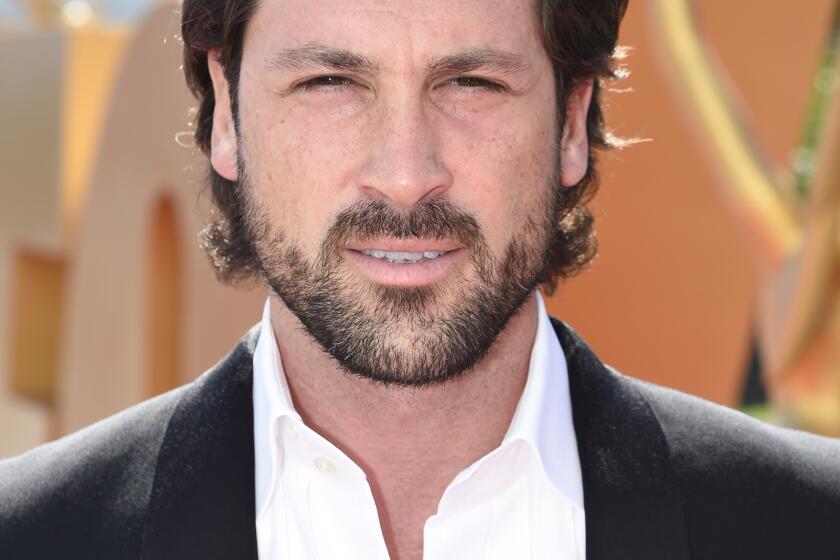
pixel 579 36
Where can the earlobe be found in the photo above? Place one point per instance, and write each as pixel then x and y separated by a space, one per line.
pixel 574 142
pixel 223 142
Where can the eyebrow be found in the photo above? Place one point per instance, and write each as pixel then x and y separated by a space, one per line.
pixel 317 55
pixel 478 59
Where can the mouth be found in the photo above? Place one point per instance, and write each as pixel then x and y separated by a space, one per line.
pixel 405 263
pixel 402 257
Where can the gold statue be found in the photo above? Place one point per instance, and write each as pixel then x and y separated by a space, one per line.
pixel 793 229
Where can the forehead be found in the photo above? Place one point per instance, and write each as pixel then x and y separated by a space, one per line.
pixel 396 31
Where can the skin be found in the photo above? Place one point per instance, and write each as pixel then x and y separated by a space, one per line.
pixel 404 132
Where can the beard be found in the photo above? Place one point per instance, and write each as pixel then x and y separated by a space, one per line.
pixel 404 336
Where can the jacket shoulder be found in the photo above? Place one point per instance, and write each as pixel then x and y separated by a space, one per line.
pixel 82 491
pixel 747 485
pixel 712 437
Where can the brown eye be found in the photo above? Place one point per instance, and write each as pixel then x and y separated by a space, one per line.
pixel 473 82
pixel 327 83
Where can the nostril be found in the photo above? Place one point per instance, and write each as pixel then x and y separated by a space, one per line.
pixel 434 193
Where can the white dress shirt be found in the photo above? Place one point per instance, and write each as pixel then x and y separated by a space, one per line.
pixel 522 500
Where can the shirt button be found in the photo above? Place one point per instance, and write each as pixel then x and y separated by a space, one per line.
pixel 324 465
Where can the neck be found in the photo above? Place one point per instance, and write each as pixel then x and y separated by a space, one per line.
pixel 411 442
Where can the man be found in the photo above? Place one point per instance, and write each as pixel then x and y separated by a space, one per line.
pixel 403 175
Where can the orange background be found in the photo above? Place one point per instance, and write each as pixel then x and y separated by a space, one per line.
pixel 99 209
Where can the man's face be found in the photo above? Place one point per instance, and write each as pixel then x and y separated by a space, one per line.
pixel 399 165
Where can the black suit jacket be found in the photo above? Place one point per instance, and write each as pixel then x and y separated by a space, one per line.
pixel 665 477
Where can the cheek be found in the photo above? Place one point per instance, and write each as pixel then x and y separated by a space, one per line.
pixel 503 172
pixel 298 167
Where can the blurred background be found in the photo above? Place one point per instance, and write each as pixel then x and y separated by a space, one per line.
pixel 719 267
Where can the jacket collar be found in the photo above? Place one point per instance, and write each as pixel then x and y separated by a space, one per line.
pixel 631 498
pixel 202 502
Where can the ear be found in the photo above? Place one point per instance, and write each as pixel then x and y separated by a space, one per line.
pixel 574 142
pixel 223 149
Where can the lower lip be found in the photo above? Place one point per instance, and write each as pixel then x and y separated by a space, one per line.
pixel 421 273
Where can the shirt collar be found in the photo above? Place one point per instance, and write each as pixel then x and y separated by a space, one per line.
pixel 543 416
pixel 272 400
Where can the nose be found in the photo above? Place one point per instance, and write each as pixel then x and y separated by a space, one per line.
pixel 403 165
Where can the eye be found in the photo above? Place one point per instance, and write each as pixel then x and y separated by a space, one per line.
pixel 473 82
pixel 326 83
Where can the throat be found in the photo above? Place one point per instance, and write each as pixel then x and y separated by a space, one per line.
pixel 411 442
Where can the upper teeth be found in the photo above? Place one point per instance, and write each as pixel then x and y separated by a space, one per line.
pixel 402 256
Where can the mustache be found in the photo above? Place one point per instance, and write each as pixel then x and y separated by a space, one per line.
pixel 438 219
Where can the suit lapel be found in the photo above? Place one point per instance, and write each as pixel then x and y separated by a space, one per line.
pixel 632 502
pixel 202 501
